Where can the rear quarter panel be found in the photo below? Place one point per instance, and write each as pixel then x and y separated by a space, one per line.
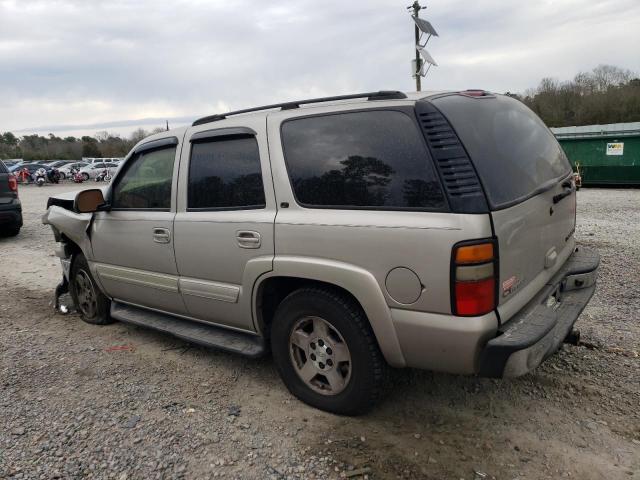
pixel 374 240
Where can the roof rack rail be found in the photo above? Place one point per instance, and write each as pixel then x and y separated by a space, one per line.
pixel 380 95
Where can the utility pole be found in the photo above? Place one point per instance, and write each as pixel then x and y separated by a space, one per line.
pixel 421 27
pixel 416 12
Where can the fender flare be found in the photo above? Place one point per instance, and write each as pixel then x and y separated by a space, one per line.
pixel 357 281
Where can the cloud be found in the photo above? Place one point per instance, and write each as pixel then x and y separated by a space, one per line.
pixel 88 63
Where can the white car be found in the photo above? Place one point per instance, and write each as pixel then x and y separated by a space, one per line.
pixel 93 170
pixel 65 171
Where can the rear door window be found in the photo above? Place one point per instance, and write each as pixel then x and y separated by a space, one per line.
pixel 225 174
pixel 514 152
pixel 370 159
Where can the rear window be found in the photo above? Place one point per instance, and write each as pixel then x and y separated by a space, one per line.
pixel 513 151
pixel 373 159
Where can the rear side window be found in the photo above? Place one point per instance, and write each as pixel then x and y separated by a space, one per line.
pixel 146 182
pixel 514 153
pixel 373 159
pixel 225 174
pixel 3 168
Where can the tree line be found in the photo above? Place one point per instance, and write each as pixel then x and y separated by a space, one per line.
pixel 52 147
pixel 607 94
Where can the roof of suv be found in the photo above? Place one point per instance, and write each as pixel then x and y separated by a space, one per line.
pixel 356 99
pixel 380 96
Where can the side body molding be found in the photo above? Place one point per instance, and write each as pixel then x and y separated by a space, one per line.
pixel 359 282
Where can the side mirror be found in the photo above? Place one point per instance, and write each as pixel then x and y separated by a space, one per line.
pixel 88 201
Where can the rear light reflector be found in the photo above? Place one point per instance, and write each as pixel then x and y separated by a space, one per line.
pixel 474 278
pixel 13 183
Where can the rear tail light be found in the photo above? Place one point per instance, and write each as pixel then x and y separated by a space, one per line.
pixel 474 273
pixel 13 183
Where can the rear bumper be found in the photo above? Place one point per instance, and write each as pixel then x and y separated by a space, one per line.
pixel 11 213
pixel 537 331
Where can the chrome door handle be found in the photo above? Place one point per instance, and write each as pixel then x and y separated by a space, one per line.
pixel 248 239
pixel 161 235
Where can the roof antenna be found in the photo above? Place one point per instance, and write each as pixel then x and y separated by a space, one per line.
pixel 167 125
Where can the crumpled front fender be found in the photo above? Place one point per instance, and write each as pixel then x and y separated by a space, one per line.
pixel 74 226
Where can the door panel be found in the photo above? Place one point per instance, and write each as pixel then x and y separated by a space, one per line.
pixel 132 266
pixel 221 251
pixel 133 251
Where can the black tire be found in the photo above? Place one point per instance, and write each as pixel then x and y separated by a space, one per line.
pixel 62 176
pixel 367 365
pixel 11 231
pixel 94 308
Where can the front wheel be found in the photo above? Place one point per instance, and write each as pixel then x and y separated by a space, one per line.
pixel 90 302
pixel 325 351
pixel 85 177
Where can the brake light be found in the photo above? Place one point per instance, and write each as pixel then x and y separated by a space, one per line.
pixel 476 93
pixel 474 272
pixel 13 183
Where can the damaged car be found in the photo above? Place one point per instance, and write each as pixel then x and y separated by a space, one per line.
pixel 345 235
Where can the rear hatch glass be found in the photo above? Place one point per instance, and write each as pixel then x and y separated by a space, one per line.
pixel 513 151
pixel 527 180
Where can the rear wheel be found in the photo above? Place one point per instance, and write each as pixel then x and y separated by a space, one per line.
pixel 325 351
pixel 90 302
pixel 62 176
pixel 85 176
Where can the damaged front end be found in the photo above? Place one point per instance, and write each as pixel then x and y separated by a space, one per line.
pixel 71 232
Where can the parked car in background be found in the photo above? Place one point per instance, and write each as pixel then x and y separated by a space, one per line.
pixel 10 206
pixel 13 168
pixel 102 160
pixel 65 170
pixel 344 234
pixel 58 163
pixel 91 171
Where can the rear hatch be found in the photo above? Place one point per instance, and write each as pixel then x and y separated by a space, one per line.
pixel 528 183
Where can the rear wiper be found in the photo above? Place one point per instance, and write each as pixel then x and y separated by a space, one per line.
pixel 569 186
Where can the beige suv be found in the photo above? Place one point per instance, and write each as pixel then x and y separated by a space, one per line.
pixel 344 234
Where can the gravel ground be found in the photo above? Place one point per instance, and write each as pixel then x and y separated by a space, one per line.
pixel 79 401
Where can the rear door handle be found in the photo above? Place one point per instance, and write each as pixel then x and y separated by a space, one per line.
pixel 161 235
pixel 248 239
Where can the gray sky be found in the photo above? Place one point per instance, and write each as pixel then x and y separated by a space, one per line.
pixel 80 66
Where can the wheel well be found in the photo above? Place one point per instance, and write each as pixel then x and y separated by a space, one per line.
pixel 275 289
pixel 71 247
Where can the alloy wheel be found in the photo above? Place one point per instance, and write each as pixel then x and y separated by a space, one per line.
pixel 85 291
pixel 320 356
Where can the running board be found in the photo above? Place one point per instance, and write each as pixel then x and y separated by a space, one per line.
pixel 206 335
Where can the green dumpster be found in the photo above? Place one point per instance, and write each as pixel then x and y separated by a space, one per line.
pixel 603 154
